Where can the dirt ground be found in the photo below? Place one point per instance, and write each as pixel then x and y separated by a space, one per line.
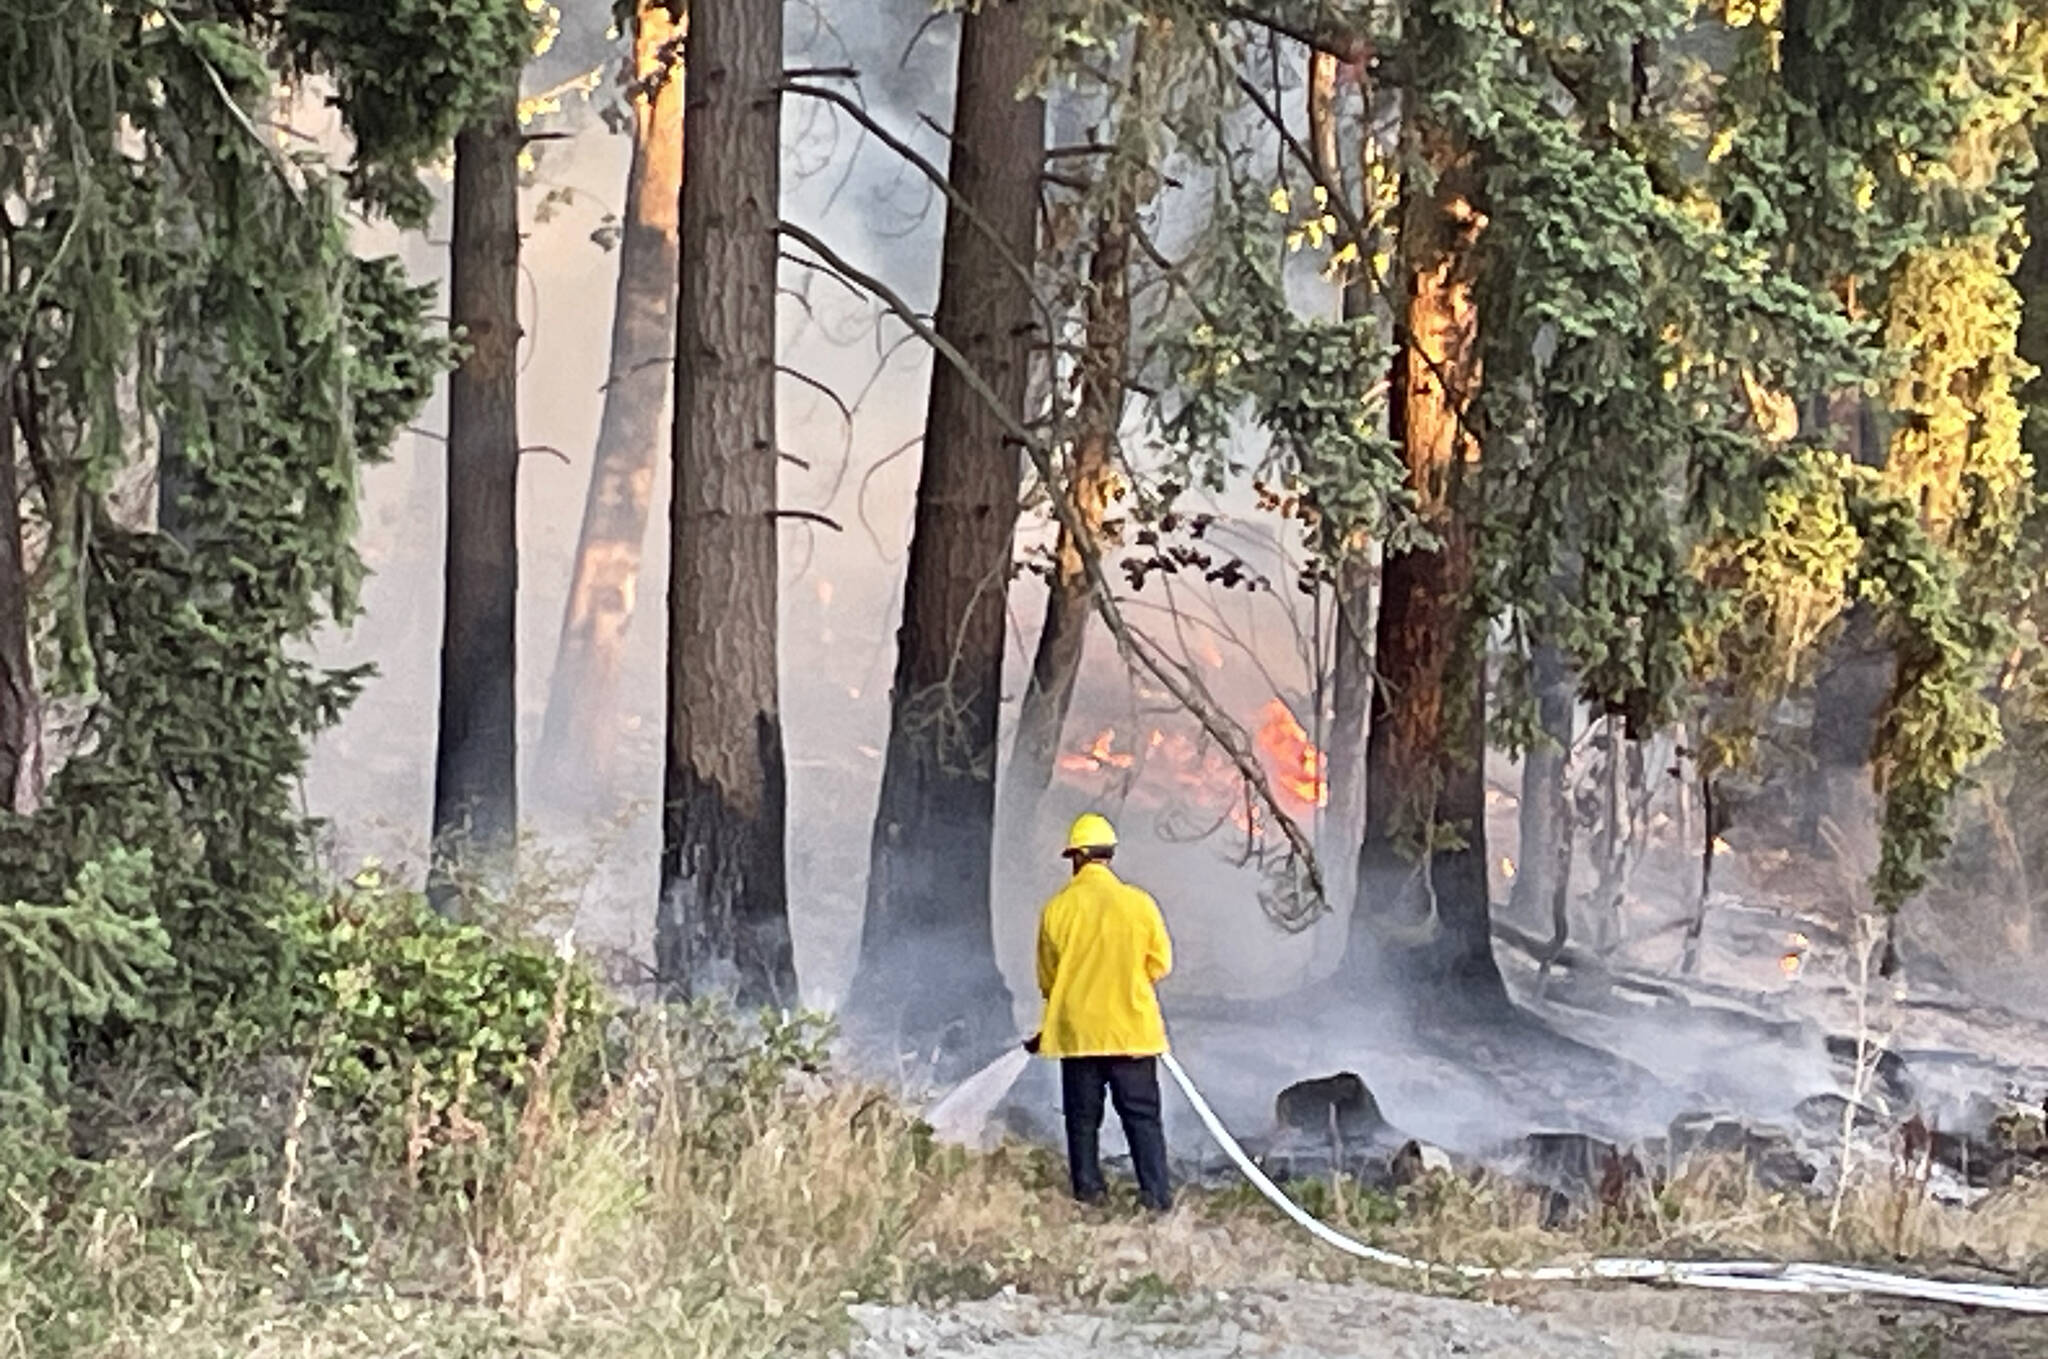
pixel 1340 1321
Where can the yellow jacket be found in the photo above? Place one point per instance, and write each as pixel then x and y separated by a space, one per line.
pixel 1101 946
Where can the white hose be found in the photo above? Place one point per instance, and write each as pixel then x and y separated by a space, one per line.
pixel 1755 1276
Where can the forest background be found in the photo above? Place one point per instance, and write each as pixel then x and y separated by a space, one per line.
pixel 1475 489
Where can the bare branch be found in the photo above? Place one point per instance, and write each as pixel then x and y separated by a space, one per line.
pixel 1176 678
pixel 955 200
pixel 808 517
pixel 845 411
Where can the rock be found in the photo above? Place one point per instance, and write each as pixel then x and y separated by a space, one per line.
pixel 1417 1161
pixel 1770 1153
pixel 1342 1101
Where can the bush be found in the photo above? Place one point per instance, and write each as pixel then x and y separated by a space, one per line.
pixel 399 1006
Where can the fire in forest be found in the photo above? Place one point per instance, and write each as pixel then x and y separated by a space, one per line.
pixel 1297 766
pixel 1100 754
pixel 1185 770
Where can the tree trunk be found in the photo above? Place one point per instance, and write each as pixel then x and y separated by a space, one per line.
pixel 476 809
pixel 927 959
pixel 2031 278
pixel 723 921
pixel 1056 665
pixel 21 713
pixel 1545 812
pixel 1424 907
pixel 1849 696
pixel 1351 664
pixel 1610 891
pixel 580 734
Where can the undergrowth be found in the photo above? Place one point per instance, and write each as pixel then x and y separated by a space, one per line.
pixel 460 1147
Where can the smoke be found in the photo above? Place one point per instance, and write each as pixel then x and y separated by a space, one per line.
pixel 840 594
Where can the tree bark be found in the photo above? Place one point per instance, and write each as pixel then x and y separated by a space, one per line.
pixel 722 926
pixel 1424 910
pixel 1849 696
pixel 580 732
pixel 1056 665
pixel 476 809
pixel 21 713
pixel 1351 664
pixel 927 959
pixel 1545 814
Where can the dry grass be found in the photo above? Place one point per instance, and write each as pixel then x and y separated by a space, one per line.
pixel 713 1200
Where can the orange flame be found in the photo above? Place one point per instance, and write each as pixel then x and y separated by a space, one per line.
pixel 1299 773
pixel 1101 754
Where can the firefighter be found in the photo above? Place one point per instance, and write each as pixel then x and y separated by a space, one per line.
pixel 1102 946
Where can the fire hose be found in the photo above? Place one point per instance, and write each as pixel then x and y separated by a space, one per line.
pixel 1753 1276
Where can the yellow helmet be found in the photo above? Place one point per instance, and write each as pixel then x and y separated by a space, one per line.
pixel 1091 832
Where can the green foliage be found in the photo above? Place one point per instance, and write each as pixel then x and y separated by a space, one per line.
pixel 399 1002
pixel 1937 722
pixel 1310 385
pixel 177 289
pixel 70 965
pixel 409 75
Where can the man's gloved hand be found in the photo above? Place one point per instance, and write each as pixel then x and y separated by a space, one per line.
pixel 1031 1044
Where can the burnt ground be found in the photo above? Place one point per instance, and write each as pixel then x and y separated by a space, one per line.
pixel 1340 1321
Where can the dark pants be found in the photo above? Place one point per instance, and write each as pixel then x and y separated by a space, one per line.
pixel 1133 1085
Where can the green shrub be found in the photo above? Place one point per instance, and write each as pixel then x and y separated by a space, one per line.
pixel 399 1006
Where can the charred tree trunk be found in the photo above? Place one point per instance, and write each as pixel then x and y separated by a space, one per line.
pixel 723 922
pixel 1056 665
pixel 476 809
pixel 580 734
pixel 1542 868
pixel 1424 912
pixel 21 712
pixel 927 958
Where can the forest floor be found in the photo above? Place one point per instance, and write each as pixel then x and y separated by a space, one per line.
pixel 1339 1321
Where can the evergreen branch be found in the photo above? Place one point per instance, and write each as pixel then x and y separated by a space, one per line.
pixel 235 110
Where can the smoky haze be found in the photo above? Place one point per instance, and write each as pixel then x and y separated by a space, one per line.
pixel 1126 751
pixel 372 777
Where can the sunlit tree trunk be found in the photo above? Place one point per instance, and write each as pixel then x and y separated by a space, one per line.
pixel 1423 907
pixel 722 926
pixel 927 960
pixel 580 733
pixel 476 809
pixel 21 714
